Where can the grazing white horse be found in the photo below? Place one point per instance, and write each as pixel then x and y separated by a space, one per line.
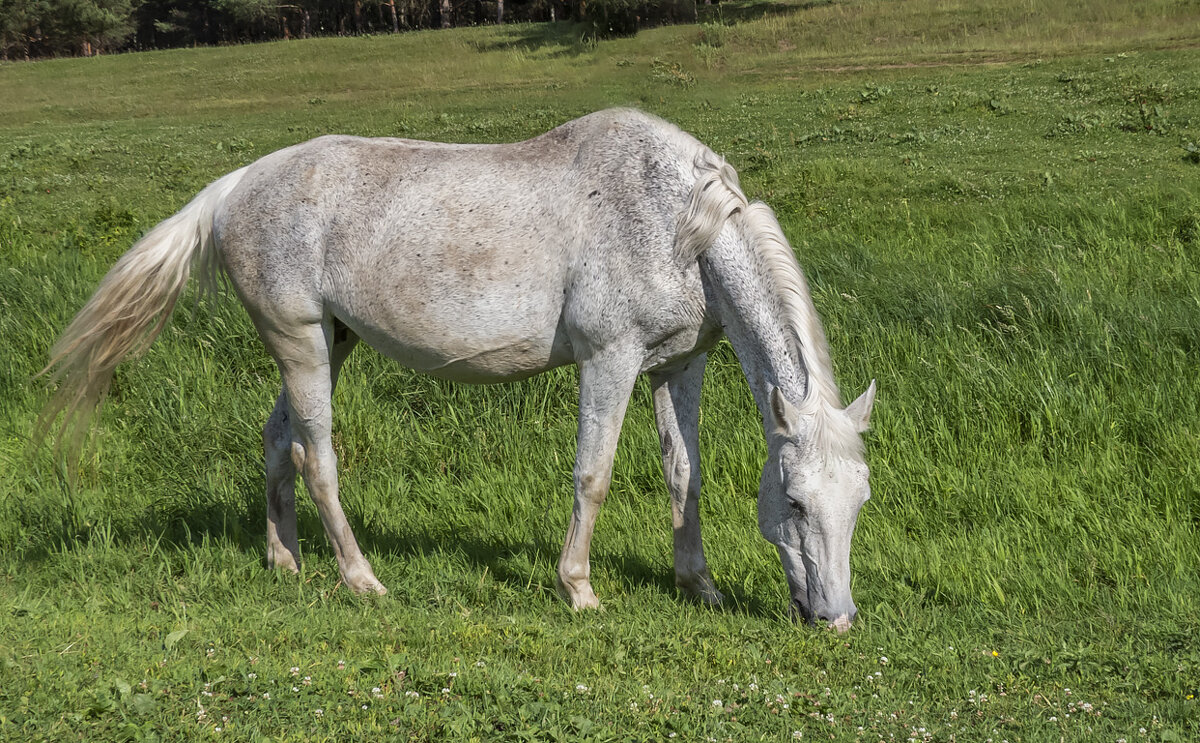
pixel 616 242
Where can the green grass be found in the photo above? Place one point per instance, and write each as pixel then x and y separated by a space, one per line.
pixel 1000 219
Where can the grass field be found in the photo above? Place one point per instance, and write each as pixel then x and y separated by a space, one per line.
pixel 999 212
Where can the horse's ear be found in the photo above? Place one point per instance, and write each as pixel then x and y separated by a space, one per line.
pixel 860 410
pixel 783 413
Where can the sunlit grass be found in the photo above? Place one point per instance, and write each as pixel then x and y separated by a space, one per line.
pixel 1010 248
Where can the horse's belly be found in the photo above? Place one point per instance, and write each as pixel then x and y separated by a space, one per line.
pixel 497 361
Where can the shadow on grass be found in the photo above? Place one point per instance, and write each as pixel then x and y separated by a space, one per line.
pixel 193 516
pixel 751 10
pixel 565 38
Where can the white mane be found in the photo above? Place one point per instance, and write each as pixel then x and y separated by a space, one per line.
pixel 716 198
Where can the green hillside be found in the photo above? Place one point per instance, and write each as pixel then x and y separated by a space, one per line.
pixel 998 208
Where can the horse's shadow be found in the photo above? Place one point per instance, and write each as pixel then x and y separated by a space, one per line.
pixel 194 515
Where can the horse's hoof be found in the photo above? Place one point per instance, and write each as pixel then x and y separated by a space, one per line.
pixel 282 560
pixel 585 603
pixel 365 586
pixel 701 589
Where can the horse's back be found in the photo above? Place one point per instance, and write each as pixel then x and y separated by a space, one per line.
pixel 475 262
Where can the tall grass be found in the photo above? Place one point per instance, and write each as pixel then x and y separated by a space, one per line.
pixel 1010 248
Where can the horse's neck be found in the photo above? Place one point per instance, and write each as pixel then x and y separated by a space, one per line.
pixel 753 323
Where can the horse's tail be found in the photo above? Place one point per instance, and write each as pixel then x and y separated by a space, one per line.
pixel 129 309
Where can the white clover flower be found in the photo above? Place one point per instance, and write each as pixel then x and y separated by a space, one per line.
pixel 295 688
pixel 718 703
pixel 412 694
pixel 364 706
pixel 445 689
pixel 581 688
pixel 480 664
pixel 294 670
pixel 454 674
pixel 252 675
pixel 797 734
pixel 318 711
pixel 1053 718
pixel 883 661
pixel 266 695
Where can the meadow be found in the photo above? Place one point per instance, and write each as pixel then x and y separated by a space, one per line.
pixel 998 209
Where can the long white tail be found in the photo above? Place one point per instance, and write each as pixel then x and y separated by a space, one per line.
pixel 129 309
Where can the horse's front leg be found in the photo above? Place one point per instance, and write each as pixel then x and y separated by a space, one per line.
pixel 605 384
pixel 677 417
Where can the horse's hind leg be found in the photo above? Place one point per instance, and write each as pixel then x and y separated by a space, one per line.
pixel 309 371
pixel 283 546
pixel 677 417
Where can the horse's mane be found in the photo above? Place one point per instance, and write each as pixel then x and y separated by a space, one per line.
pixel 716 198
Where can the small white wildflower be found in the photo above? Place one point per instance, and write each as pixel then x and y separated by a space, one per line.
pixel 718 703
pixel 580 688
pixel 883 661
pixel 364 706
pixel 318 711
pixel 266 695
pixel 251 675
pixel 308 680
pixel 295 688
pixel 454 674
pixel 633 705
pixel 216 730
pixel 375 690
pixel 753 687
pixel 411 694
pixel 445 689
pixel 672 735
pixel 797 734
pixel 1053 718
pixel 295 670
pixel 480 664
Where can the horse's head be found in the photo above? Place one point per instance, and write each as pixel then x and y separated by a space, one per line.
pixel 813 485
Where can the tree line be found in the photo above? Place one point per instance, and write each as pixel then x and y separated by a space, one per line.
pixel 43 28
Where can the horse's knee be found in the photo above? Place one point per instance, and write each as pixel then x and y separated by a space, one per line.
pixel 298 456
pixel 593 486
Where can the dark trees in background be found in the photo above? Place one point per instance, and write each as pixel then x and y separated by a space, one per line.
pixel 50 28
